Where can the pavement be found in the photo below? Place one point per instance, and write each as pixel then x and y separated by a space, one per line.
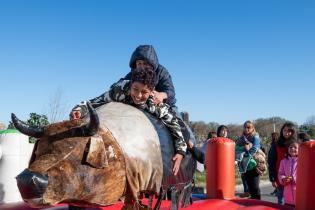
pixel 265 190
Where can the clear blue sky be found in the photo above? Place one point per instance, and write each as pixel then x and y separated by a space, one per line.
pixel 230 60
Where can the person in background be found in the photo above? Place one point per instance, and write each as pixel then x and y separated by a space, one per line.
pixel 304 137
pixel 288 173
pixel 199 154
pixel 277 153
pixel 274 139
pixel 222 131
pixel 249 142
pixel 211 135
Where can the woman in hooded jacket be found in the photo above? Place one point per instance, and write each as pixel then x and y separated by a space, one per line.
pixel 250 143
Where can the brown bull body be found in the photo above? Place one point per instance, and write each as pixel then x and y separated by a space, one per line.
pixel 121 160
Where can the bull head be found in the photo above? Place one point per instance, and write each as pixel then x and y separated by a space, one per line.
pixel 72 162
pixel 38 131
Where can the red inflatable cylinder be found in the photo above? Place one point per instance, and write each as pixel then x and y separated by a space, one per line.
pixel 305 186
pixel 220 168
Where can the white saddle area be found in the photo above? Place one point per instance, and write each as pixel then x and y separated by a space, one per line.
pixel 140 143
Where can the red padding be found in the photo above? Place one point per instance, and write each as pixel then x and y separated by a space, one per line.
pixel 220 168
pixel 305 189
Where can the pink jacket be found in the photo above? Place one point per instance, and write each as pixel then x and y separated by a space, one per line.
pixel 288 167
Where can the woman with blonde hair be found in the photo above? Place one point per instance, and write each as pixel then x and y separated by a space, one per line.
pixel 249 143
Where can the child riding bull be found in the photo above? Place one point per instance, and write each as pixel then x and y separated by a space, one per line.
pixel 139 92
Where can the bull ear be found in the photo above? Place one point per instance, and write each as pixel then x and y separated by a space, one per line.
pixel 33 131
pixel 96 155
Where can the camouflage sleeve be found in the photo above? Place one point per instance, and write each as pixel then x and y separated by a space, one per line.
pixel 163 112
pixel 95 102
pixel 117 93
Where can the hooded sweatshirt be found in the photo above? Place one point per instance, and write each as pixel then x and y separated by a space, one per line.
pixel 164 81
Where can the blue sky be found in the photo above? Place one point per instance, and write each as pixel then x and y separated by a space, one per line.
pixel 230 60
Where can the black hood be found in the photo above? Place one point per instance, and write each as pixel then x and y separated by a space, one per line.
pixel 144 52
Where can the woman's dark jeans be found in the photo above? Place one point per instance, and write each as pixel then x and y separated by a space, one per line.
pixel 252 180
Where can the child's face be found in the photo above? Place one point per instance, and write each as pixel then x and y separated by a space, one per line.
pixel 287 132
pixel 139 93
pixel 293 149
pixel 224 133
pixel 143 64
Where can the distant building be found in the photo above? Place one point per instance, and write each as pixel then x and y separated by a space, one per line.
pixel 2 126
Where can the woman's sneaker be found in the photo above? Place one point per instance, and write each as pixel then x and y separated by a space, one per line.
pixel 245 195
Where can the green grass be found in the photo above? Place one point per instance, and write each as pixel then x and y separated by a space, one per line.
pixel 200 178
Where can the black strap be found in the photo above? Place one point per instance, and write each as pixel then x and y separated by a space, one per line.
pixel 158 202
pixel 186 195
pixel 175 198
pixel 150 201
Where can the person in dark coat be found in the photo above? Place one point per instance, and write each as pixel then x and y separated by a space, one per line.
pixel 276 154
pixel 199 153
pixel 145 56
pixel 304 137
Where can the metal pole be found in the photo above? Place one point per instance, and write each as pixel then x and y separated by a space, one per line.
pixel 274 125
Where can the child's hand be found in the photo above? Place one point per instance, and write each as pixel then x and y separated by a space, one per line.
pixel 190 144
pixel 287 180
pixel 177 160
pixel 274 184
pixel 76 114
pixel 247 147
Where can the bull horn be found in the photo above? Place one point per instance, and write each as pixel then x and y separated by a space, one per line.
pixel 33 131
pixel 92 127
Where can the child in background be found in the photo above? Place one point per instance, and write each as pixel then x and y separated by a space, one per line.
pixel 277 153
pixel 287 173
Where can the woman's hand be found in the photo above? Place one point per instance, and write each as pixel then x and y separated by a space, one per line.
pixel 159 97
pixel 274 184
pixel 177 160
pixel 190 144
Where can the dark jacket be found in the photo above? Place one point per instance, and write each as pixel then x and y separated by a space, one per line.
pixel 272 158
pixel 164 81
pixel 198 154
pixel 275 155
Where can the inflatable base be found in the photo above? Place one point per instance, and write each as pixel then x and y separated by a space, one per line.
pixel 208 204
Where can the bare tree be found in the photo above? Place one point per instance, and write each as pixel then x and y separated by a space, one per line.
pixel 310 120
pixel 57 107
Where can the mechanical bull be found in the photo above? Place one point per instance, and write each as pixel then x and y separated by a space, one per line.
pixel 115 153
